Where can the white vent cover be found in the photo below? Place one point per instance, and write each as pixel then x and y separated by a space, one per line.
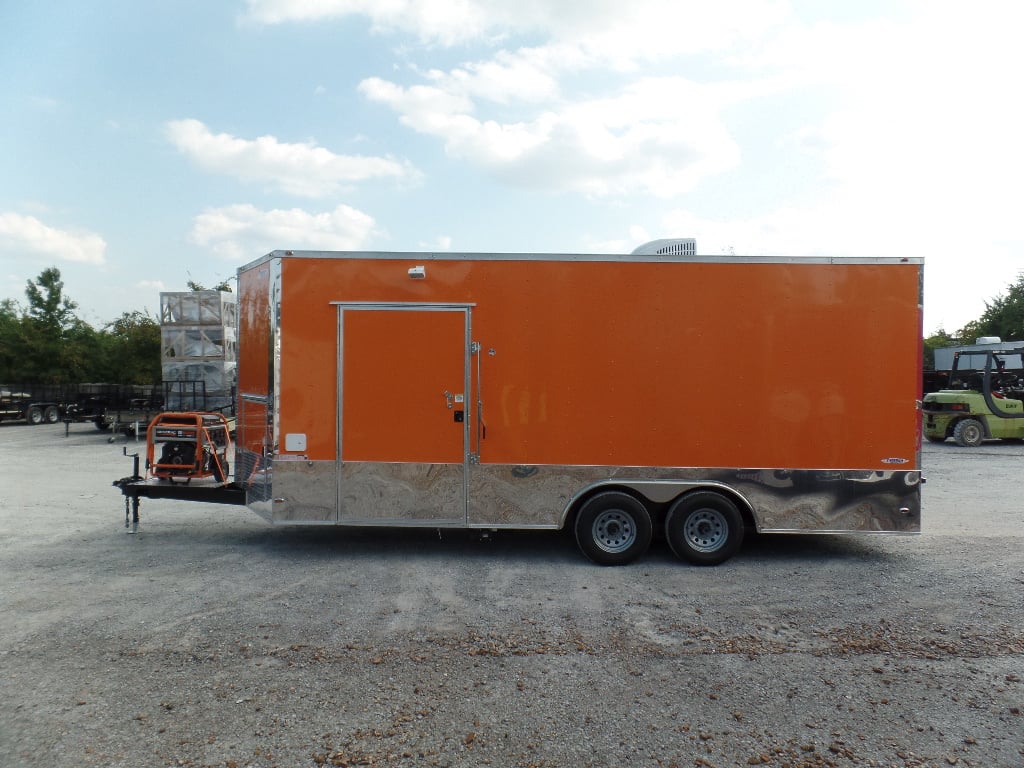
pixel 678 246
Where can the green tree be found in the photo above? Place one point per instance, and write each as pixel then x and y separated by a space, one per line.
pixel 132 345
pixel 45 342
pixel 937 340
pixel 224 286
pixel 48 316
pixel 1004 315
pixel 47 304
pixel 10 340
pixel 53 345
pixel 970 332
pixel 81 354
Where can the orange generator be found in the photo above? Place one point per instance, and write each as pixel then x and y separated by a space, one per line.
pixel 618 396
pixel 192 446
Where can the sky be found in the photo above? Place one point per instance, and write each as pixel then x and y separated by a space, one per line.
pixel 148 144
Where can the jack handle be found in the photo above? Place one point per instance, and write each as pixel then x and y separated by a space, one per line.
pixel 135 463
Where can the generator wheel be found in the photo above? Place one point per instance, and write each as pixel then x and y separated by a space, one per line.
pixel 613 528
pixel 51 415
pixel 35 415
pixel 704 528
pixel 969 433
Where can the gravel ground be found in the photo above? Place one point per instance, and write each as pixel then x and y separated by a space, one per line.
pixel 213 639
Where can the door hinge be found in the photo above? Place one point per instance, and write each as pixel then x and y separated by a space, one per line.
pixel 474 347
pixel 473 458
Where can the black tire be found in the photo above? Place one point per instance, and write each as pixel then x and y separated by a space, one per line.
pixel 613 528
pixel 101 423
pixel 51 415
pixel 704 528
pixel 969 433
pixel 34 415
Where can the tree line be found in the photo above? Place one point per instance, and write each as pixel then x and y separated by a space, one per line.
pixel 44 342
pixel 1003 317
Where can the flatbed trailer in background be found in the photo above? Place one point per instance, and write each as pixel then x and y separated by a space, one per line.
pixel 23 404
pixel 613 395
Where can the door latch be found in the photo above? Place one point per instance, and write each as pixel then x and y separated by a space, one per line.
pixel 451 400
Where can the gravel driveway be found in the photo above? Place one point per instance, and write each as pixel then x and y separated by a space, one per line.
pixel 213 639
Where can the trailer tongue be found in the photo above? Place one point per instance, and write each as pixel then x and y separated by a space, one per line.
pixel 182 448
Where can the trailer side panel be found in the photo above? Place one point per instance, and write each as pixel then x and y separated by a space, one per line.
pixel 790 383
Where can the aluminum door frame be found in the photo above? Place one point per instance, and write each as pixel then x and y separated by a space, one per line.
pixel 469 403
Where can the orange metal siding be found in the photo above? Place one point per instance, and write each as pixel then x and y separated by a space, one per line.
pixel 637 363
pixel 254 355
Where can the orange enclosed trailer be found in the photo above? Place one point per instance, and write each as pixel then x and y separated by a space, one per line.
pixel 615 395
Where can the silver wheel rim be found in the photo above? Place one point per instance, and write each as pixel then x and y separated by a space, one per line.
pixel 971 434
pixel 706 530
pixel 614 531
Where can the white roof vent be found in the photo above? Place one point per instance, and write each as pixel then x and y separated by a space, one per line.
pixel 989 340
pixel 678 246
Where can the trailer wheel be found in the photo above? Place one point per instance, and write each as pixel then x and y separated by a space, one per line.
pixel 35 415
pixel 613 528
pixel 969 433
pixel 704 528
pixel 51 415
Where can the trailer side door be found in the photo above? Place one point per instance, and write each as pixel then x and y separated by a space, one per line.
pixel 403 379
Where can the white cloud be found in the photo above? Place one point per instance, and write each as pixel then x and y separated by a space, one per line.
pixel 442 243
pixel 609 28
pixel 241 233
pixel 658 136
pixel 509 113
pixel 525 76
pixel 27 233
pixel 444 21
pixel 299 169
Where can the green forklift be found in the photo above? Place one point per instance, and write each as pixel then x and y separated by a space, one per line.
pixel 981 403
